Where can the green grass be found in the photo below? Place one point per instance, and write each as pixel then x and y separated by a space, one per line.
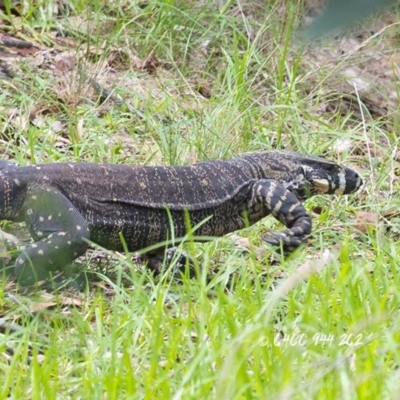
pixel 201 81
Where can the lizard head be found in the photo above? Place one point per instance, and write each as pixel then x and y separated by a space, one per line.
pixel 307 175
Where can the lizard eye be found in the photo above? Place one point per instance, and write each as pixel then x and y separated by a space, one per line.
pixel 330 168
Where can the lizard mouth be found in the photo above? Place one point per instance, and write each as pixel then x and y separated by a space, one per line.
pixel 321 186
pixel 344 183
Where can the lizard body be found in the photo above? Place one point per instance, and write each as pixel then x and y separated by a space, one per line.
pixel 65 205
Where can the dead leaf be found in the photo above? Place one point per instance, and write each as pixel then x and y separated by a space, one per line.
pixel 72 301
pixel 342 146
pixel 317 210
pixel 354 77
pixel 64 62
pixel 57 301
pixel 314 265
pixel 57 126
pixel 366 221
pixel 41 306
pixel 38 121
pixel 204 89
pixel 63 42
pixel 303 272
pixel 242 243
pixel 150 64
pixel 20 121
pixel 118 58
pixel 8 237
pixel 79 129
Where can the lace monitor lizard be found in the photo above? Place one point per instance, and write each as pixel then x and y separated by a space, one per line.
pixel 67 205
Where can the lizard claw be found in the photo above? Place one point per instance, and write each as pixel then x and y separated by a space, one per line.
pixel 180 260
pixel 174 257
pixel 286 239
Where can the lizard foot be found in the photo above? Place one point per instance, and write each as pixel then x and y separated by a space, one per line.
pixel 285 238
pixel 157 262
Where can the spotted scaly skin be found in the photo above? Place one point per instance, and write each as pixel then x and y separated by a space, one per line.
pixel 65 206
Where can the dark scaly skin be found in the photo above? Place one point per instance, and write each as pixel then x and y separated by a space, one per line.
pixel 67 205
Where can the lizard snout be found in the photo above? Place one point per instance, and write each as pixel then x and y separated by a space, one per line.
pixel 349 182
pixel 353 181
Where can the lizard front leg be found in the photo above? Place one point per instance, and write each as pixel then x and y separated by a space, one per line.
pixel 59 232
pixel 276 200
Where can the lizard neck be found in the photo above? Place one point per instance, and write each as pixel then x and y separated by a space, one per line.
pixel 268 166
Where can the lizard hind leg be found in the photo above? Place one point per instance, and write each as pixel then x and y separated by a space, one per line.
pixel 158 261
pixel 59 231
